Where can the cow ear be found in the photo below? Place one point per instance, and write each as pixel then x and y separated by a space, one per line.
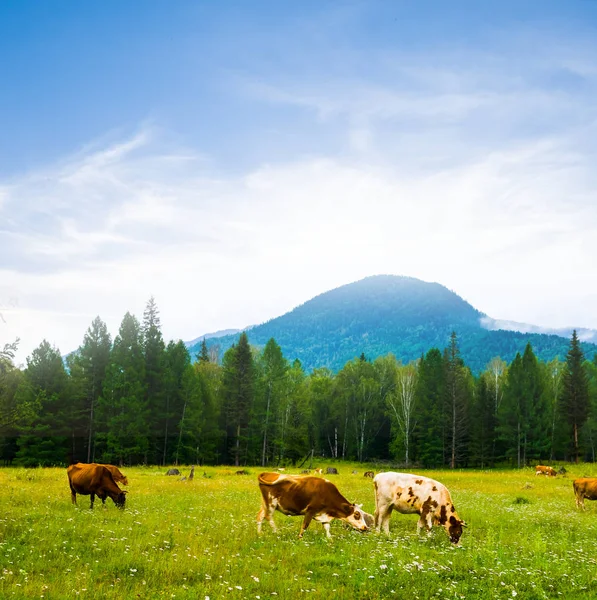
pixel 463 524
pixel 124 491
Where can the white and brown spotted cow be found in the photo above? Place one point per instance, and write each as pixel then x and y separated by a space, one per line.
pixel 409 494
pixel 313 497
pixel 543 470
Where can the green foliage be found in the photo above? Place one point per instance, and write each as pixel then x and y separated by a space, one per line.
pixel 124 414
pixel 45 441
pixel 575 393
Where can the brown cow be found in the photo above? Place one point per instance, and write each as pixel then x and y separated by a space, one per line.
pixel 585 487
pixel 543 470
pixel 94 480
pixel 313 497
pixel 408 494
pixel 369 474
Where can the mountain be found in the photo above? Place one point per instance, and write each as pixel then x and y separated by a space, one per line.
pixel 208 336
pixel 388 313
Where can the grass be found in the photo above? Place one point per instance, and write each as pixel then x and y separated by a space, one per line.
pixel 198 539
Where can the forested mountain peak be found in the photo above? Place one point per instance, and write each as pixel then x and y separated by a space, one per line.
pixel 393 297
pixel 390 313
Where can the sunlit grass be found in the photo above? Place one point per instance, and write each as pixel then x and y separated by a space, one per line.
pixel 196 539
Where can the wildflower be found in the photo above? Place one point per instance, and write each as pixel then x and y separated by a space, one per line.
pixel 383 567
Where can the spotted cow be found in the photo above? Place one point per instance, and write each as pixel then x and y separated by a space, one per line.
pixel 408 494
pixel 543 470
pixel 312 497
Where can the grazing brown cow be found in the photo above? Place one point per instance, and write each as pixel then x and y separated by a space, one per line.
pixel 585 487
pixel 369 474
pixel 94 480
pixel 313 497
pixel 542 470
pixel 407 494
pixel 320 471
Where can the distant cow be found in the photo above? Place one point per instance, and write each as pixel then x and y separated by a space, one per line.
pixel 242 472
pixel 94 480
pixel 543 470
pixel 313 497
pixel 320 471
pixel 369 474
pixel 116 474
pixel 172 472
pixel 585 487
pixel 407 494
pixel 331 471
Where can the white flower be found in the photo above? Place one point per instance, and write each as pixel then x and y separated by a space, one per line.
pixel 383 567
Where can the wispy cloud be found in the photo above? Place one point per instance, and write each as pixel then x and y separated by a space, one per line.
pixel 479 177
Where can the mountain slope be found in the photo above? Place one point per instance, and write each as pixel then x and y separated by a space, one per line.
pixel 387 313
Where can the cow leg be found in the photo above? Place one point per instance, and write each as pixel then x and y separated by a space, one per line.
pixel 73 496
pixel 326 526
pixel 92 500
pixel 425 521
pixel 306 521
pixel 266 512
pixel 580 502
pixel 382 517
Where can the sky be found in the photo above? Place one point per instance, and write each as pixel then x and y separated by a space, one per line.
pixel 235 159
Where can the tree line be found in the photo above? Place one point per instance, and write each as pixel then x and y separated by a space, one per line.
pixel 138 400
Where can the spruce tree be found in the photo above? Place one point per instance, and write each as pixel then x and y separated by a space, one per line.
pixel 238 389
pixel 93 358
pixel 456 401
pixel 430 435
pixel 575 392
pixel 511 415
pixel 203 356
pixel 154 356
pixel 273 370
pixel 123 412
pixel 47 441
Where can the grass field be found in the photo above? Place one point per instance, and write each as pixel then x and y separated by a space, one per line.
pixel 198 539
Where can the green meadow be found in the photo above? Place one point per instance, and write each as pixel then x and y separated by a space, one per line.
pixel 180 539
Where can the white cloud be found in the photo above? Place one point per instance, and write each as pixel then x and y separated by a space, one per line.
pixel 428 186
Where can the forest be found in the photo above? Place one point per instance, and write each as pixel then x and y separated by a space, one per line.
pixel 137 400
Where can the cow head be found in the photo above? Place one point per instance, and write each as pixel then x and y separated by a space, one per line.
pixel 120 499
pixel 125 480
pixel 358 518
pixel 455 529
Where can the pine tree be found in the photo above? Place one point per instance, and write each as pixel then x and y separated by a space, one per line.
pixel 273 370
pixel 203 356
pixel 92 359
pixel 154 354
pixel 47 441
pixel 177 365
pixel 430 435
pixel 123 412
pixel 535 413
pixel 482 424
pixel 238 390
pixel 456 401
pixel 575 392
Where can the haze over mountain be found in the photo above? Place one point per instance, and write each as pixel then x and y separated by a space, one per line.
pixel 402 315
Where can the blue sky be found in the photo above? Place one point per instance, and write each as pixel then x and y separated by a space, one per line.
pixel 190 149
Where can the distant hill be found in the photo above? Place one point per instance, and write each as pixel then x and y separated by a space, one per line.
pixel 208 336
pixel 388 313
